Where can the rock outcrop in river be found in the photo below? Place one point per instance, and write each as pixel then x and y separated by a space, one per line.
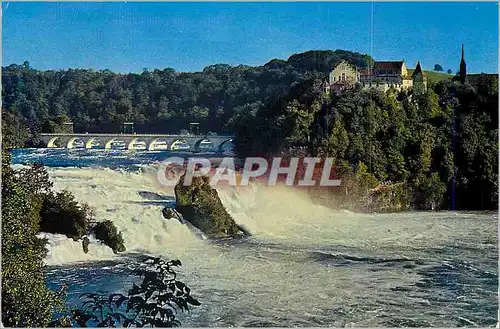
pixel 200 205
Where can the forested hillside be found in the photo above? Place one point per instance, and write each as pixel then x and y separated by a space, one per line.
pixel 376 138
pixel 403 147
pixel 158 100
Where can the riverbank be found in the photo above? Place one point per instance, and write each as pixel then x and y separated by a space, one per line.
pixel 304 265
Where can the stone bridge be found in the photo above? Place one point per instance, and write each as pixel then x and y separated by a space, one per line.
pixel 149 141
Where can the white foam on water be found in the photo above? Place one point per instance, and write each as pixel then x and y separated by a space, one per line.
pixel 291 262
pixel 279 213
pixel 115 196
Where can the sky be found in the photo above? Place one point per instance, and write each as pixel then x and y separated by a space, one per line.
pixel 130 36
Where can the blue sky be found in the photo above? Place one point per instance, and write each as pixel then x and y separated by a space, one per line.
pixel 127 37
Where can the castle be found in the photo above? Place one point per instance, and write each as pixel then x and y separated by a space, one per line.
pixel 382 75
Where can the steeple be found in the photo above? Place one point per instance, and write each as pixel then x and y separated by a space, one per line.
pixel 463 68
pixel 419 80
pixel 418 69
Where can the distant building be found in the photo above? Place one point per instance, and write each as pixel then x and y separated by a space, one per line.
pixel 471 79
pixel 343 76
pixel 419 80
pixel 383 75
pixel 463 68
pixel 127 128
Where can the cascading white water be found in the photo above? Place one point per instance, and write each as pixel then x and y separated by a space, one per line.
pixel 116 196
pixel 304 264
pixel 133 201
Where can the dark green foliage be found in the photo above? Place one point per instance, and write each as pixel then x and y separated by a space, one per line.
pixel 477 144
pixel 62 214
pixel 153 303
pixel 15 131
pixel 157 100
pixel 388 138
pixel 200 204
pixel 107 232
pixel 323 61
pixel 26 301
pixel 429 192
pixel 438 68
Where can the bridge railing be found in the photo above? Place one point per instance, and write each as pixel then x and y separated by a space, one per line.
pixel 133 135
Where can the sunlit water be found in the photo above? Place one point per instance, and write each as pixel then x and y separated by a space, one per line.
pixel 305 265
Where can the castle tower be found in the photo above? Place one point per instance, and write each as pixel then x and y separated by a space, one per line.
pixel 419 80
pixel 463 68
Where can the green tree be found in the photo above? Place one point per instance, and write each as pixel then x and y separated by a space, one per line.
pixel 26 300
pixel 15 132
pixel 438 68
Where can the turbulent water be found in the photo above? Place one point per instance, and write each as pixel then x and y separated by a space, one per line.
pixel 305 265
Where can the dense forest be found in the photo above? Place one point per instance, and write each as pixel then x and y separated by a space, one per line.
pixel 439 148
pixel 436 150
pixel 157 101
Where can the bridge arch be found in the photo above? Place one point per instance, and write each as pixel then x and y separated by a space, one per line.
pixel 53 142
pixel 203 144
pixel 180 144
pixel 110 142
pixel 224 144
pixel 90 144
pixel 73 140
pixel 134 141
pixel 155 142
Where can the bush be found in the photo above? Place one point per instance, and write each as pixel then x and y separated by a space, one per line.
pixel 63 215
pixel 429 193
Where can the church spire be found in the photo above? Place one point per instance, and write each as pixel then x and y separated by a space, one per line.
pixel 463 67
pixel 418 69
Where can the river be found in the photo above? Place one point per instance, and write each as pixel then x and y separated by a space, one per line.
pixel 305 265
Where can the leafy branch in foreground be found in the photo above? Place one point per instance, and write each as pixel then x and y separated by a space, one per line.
pixel 155 302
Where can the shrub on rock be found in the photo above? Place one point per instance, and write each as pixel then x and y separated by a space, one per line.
pixel 107 232
pixel 200 204
pixel 63 215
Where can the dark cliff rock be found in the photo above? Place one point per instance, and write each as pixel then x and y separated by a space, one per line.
pixel 200 205
pixel 107 233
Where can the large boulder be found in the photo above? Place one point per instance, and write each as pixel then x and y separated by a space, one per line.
pixel 200 205
pixel 107 232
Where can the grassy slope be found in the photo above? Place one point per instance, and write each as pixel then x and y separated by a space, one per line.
pixel 434 76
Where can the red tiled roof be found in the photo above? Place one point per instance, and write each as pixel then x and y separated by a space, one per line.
pixel 365 72
pixel 388 65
